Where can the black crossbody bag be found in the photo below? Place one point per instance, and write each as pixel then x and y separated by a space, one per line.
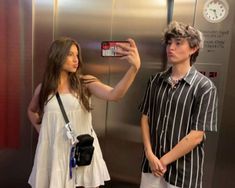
pixel 83 149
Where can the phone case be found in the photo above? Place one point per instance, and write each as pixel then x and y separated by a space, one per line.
pixel 108 48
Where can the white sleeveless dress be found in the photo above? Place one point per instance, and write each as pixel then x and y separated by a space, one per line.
pixel 51 163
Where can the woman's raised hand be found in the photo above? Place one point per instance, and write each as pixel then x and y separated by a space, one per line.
pixel 130 53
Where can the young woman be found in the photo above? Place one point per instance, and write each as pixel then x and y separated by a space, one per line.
pixel 63 75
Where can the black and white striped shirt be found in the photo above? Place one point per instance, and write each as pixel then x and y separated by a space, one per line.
pixel 172 114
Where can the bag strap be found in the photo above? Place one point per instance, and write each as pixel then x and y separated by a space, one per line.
pixel 62 108
pixel 64 113
pixel 70 133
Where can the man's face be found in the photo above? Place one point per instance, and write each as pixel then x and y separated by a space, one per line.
pixel 178 51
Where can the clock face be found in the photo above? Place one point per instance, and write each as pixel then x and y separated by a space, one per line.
pixel 215 11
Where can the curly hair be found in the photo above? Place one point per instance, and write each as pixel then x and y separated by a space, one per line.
pixel 191 34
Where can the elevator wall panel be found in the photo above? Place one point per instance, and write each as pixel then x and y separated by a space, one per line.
pixel 144 22
pixel 15 163
pixel 224 164
pixel 43 12
pixel 184 10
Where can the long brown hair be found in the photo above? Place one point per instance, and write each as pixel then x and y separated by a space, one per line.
pixel 57 54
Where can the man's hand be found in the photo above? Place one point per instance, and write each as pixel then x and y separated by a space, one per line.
pixel 158 169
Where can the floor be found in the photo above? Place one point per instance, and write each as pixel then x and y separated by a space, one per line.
pixel 110 184
pixel 118 184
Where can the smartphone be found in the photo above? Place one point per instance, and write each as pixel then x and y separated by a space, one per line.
pixel 108 48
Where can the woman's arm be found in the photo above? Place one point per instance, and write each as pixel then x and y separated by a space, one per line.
pixel 103 91
pixel 33 110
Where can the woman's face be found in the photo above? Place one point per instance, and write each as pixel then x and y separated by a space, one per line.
pixel 178 51
pixel 71 63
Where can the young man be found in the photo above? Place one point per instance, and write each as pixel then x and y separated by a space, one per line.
pixel 179 106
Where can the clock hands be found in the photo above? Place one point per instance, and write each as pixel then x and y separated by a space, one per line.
pixel 214 11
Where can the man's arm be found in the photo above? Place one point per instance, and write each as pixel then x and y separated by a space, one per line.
pixel 155 164
pixel 187 144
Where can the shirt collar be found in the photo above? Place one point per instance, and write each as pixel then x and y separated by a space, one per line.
pixel 188 77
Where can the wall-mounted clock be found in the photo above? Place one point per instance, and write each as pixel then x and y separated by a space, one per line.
pixel 215 11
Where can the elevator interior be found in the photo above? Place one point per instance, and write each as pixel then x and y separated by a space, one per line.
pixel 117 124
